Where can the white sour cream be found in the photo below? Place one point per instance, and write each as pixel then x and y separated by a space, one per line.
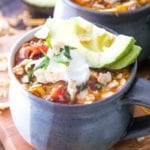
pixel 77 71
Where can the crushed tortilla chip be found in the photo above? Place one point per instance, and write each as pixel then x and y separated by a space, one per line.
pixel 3 93
pixel 140 139
pixel 3 61
pixel 4 83
pixel 3 106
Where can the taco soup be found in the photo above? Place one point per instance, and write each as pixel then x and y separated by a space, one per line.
pixel 112 5
pixel 75 64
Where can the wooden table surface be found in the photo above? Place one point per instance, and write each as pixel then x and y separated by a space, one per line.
pixel 10 137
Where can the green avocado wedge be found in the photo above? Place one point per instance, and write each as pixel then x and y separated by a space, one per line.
pixel 120 47
pixel 127 60
pixel 100 48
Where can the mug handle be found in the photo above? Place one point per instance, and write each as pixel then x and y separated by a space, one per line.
pixel 139 94
pixel 148 19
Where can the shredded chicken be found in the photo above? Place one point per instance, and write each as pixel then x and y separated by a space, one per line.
pixel 44 76
pixel 20 69
pixel 113 84
pixel 104 78
pixel 119 76
pixel 25 79
pixel 107 94
pixel 57 46
pixel 123 82
pixel 72 89
pixel 86 96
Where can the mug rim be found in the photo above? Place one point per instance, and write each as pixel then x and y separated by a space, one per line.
pixel 111 14
pixel 28 36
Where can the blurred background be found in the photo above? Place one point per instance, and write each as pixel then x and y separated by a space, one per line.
pixel 16 17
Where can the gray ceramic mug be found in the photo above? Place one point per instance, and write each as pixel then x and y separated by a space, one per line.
pixel 135 23
pixel 51 126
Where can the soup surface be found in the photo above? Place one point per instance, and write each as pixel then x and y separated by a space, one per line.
pixel 112 5
pixel 74 62
pixel 101 83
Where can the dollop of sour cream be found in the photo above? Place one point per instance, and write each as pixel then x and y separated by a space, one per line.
pixel 77 70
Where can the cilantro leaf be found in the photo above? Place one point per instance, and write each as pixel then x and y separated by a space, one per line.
pixel 66 51
pixel 33 83
pixel 98 86
pixel 82 86
pixel 43 64
pixel 30 73
pixel 57 58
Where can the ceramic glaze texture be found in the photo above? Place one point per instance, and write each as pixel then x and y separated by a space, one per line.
pixel 47 125
pixel 135 24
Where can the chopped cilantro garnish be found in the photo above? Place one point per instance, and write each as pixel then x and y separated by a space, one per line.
pixel 82 86
pixel 43 64
pixel 57 58
pixel 32 83
pixel 66 51
pixel 98 86
pixel 30 73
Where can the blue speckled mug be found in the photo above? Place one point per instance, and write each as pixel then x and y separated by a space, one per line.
pixel 51 126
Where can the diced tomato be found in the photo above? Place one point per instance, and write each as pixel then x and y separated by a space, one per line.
pixel 41 48
pixel 57 94
pixel 91 83
pixel 30 51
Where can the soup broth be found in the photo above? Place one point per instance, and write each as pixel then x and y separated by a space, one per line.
pixel 112 5
pixel 101 83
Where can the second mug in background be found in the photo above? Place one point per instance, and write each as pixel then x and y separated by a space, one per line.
pixel 135 23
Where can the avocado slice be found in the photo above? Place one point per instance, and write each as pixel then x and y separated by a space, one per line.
pixel 105 48
pixel 120 47
pixel 90 36
pixel 97 43
pixel 102 49
pixel 128 59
